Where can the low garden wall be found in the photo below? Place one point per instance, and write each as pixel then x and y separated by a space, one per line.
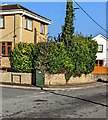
pixel 59 79
pixel 56 79
pixel 6 77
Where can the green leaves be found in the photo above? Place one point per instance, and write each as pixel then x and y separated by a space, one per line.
pixel 83 55
pixel 20 58
pixel 69 54
pixel 54 57
pixel 68 28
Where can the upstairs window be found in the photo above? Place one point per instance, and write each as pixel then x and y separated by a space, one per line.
pixel 42 28
pixel 1 22
pixel 28 24
pixel 100 48
pixel 6 48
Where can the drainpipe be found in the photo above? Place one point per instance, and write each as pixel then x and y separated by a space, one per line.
pixel 14 31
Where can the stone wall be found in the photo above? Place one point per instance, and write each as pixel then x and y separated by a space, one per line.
pixel 59 79
pixel 56 79
pixel 83 79
pixel 104 77
pixel 5 62
pixel 6 77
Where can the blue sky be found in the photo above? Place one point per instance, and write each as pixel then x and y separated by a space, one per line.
pixel 56 12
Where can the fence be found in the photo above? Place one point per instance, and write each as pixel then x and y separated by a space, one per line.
pixel 100 70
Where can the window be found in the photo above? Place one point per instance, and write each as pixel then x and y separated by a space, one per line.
pixel 99 62
pixel 1 22
pixel 42 28
pixel 6 48
pixel 96 63
pixel 28 24
pixel 100 48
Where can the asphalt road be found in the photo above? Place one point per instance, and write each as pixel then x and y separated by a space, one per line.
pixel 81 103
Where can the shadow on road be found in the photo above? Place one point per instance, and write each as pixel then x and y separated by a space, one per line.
pixel 76 98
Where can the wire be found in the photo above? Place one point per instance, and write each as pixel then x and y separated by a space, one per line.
pixel 37 32
pixel 80 8
pixel 90 17
pixel 10 33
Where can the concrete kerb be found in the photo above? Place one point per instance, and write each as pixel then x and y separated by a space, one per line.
pixel 19 87
pixel 56 88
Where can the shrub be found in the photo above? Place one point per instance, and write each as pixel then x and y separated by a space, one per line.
pixel 83 56
pixel 20 58
pixel 54 57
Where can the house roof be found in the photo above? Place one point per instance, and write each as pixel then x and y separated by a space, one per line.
pixel 100 36
pixel 10 7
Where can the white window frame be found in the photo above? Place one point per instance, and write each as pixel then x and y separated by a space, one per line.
pixel 100 48
pixel 1 21
pixel 28 24
pixel 42 28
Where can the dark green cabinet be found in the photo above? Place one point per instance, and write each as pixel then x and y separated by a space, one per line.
pixel 38 77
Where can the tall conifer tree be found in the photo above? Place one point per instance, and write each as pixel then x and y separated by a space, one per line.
pixel 68 28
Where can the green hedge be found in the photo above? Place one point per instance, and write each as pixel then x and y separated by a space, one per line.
pixel 20 58
pixel 54 57
pixel 83 56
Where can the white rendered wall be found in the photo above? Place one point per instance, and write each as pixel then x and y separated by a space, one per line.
pixel 107 53
pixel 101 40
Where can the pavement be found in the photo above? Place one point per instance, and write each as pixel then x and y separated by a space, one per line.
pixel 54 87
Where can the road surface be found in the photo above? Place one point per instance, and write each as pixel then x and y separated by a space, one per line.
pixel 79 103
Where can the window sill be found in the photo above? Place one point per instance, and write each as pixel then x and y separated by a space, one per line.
pixel 2 28
pixel 42 33
pixel 29 30
pixel 5 55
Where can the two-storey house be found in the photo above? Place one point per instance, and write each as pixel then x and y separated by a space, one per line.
pixel 101 66
pixel 19 24
pixel 102 54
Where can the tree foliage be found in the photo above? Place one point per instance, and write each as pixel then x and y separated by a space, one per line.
pixel 55 57
pixel 68 28
pixel 67 53
pixel 20 58
pixel 83 56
